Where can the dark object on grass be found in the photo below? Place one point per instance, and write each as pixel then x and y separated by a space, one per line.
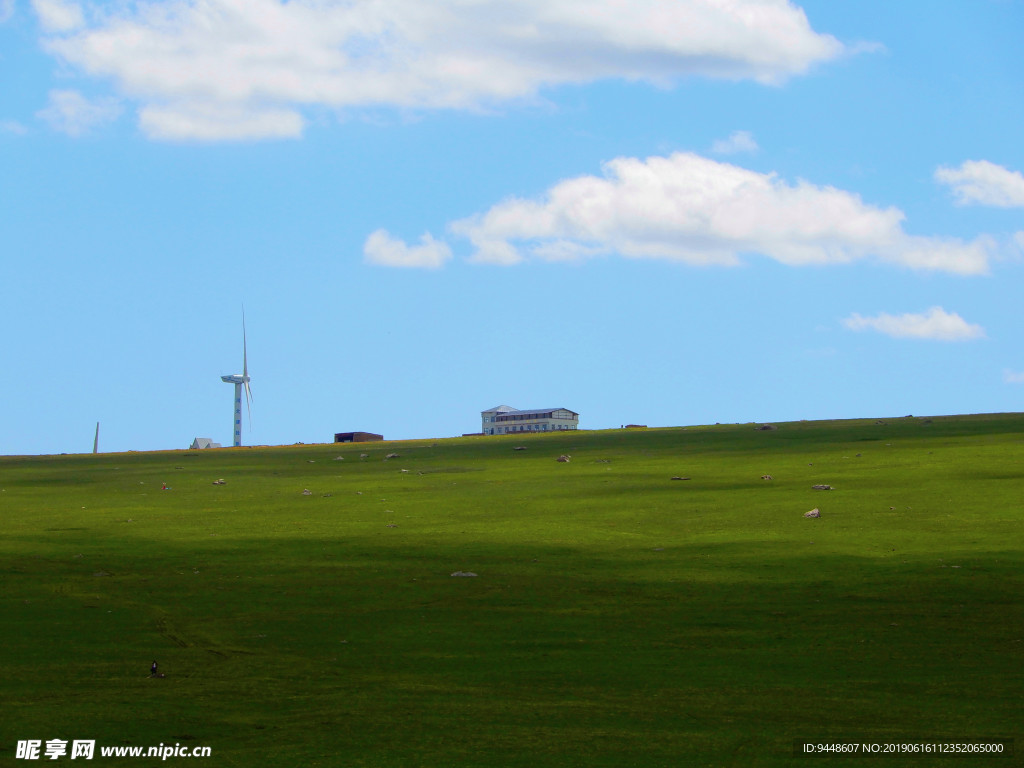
pixel 678 477
pixel 565 458
pixel 766 428
pixel 357 437
pixel 822 487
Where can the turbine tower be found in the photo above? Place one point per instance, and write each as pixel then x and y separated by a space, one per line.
pixel 241 380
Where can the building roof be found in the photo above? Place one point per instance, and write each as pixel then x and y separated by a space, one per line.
pixel 499 409
pixel 538 411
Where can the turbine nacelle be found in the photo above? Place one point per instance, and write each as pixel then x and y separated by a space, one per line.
pixel 237 378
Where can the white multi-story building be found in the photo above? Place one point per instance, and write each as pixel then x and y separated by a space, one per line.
pixel 505 419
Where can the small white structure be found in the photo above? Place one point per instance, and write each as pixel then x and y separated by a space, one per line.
pixel 504 420
pixel 203 442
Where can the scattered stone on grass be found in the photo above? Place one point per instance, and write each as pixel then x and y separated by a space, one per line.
pixel 339 458
pixel 767 477
pixel 363 455
pixel 822 487
pixel 391 525
pixel 391 456
pixel 222 481
pixel 813 513
pixel 306 492
pixel 564 458
pixel 519 448
pixel 463 574
pixel 680 477
pixel 767 428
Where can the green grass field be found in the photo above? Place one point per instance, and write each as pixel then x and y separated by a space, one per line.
pixel 618 617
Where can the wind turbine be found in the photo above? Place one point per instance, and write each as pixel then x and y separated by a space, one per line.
pixel 241 380
pixel 96 440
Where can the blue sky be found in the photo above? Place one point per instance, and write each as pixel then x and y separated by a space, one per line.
pixel 665 212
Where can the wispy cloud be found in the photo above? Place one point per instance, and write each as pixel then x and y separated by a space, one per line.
pixel 384 250
pixel 694 210
pixel 6 10
pixel 1013 377
pixel 936 324
pixel 72 113
pixel 218 122
pixel 58 15
pixel 738 141
pixel 13 126
pixel 979 182
pixel 183 60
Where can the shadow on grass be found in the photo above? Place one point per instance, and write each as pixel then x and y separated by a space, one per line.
pixel 331 651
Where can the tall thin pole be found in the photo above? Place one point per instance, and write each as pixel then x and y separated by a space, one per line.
pixel 96 440
pixel 238 414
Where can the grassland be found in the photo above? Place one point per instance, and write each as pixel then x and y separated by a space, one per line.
pixel 618 617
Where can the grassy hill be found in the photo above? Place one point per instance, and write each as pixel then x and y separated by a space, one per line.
pixel 305 612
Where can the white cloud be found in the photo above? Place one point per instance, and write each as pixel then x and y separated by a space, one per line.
pixel 384 250
pixel 13 126
pixel 738 141
pixel 6 10
pixel 691 209
pixel 58 15
pixel 71 113
pixel 233 56
pixel 216 122
pixel 1013 377
pixel 983 183
pixel 935 324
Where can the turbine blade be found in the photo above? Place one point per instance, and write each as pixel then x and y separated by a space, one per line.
pixel 248 404
pixel 245 354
